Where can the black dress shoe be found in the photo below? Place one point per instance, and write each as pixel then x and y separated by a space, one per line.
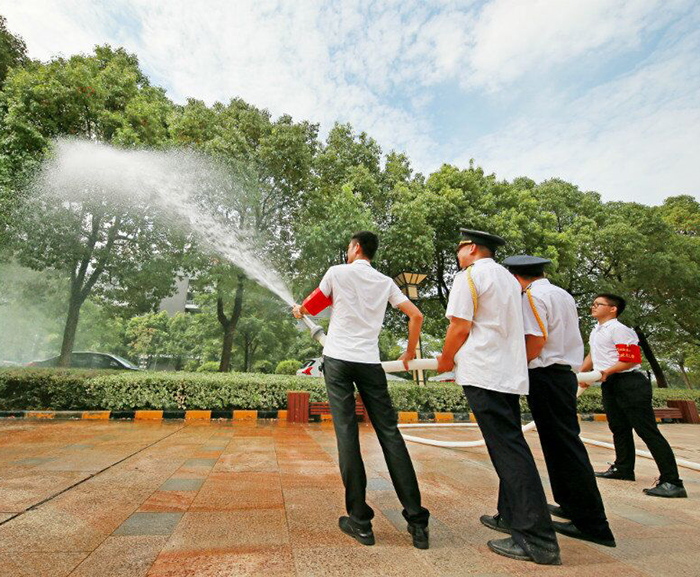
pixel 667 490
pixel 557 511
pixel 364 536
pixel 614 473
pixel 570 530
pixel 509 548
pixel 495 522
pixel 421 538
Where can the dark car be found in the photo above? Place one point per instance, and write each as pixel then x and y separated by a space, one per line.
pixel 90 361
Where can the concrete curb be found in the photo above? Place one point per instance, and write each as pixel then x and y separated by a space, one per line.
pixel 236 415
pixel 242 415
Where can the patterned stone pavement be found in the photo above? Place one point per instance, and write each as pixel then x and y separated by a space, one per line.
pixel 215 498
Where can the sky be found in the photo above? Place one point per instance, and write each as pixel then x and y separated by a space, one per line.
pixel 602 93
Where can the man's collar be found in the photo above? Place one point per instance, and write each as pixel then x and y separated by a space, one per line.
pixel 483 260
pixel 606 323
pixel 361 260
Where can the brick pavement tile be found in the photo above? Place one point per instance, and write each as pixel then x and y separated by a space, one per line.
pixel 356 559
pixel 180 484
pixel 229 491
pixel 241 562
pixel 122 555
pixel 200 463
pixel 213 530
pixel 168 501
pixel 35 564
pixel 149 523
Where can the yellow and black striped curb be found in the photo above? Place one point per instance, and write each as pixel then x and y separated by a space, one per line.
pixel 240 415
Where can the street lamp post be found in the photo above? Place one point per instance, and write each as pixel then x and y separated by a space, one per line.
pixel 408 283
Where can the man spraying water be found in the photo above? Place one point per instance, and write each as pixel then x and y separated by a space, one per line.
pixel 359 295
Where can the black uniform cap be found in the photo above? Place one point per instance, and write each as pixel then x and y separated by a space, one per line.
pixel 526 265
pixel 490 241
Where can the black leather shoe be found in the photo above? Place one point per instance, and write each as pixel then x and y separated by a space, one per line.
pixel 421 537
pixel 570 530
pixel 509 548
pixel 557 511
pixel 364 536
pixel 495 522
pixel 667 490
pixel 614 473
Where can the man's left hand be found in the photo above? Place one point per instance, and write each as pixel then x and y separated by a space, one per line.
pixel 444 365
pixel 407 356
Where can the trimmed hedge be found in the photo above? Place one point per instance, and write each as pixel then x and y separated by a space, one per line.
pixel 76 389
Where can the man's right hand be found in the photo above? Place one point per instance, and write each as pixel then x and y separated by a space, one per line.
pixel 444 365
pixel 407 356
pixel 299 311
pixel 584 385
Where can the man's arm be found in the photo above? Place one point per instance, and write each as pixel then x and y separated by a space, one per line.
pixel 457 334
pixel 616 368
pixel 585 367
pixel 533 346
pixel 415 322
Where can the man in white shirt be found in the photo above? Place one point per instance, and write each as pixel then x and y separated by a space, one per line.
pixel 614 351
pixel 360 294
pixel 554 351
pixel 485 342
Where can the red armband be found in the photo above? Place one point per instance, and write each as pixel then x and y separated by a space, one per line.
pixel 629 353
pixel 316 302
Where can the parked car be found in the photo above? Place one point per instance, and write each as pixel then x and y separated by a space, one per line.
pixel 90 360
pixel 311 368
pixel 314 368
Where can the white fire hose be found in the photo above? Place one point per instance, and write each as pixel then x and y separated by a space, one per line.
pixel 431 365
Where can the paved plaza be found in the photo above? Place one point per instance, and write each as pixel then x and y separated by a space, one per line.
pixel 263 498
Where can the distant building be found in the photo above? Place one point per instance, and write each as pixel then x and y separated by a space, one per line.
pixel 180 302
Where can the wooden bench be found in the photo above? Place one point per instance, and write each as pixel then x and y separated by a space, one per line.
pixel 322 409
pixel 671 413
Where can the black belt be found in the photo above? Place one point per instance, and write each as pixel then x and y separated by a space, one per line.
pixel 554 367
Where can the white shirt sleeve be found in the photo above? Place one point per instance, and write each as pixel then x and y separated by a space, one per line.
pixel 622 335
pixel 460 303
pixel 532 327
pixel 326 284
pixel 396 297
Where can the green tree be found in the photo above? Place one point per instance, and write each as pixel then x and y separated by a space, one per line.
pixel 118 249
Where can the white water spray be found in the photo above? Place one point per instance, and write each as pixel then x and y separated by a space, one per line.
pixel 175 181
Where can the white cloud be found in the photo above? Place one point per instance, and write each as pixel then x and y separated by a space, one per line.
pixel 381 64
pixel 635 138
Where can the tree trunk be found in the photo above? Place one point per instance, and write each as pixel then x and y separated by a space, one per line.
pixel 681 364
pixel 71 328
pixel 246 356
pixel 229 325
pixel 649 354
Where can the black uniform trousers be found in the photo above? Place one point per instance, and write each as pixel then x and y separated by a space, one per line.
pixel 521 500
pixel 627 403
pixel 552 401
pixel 372 386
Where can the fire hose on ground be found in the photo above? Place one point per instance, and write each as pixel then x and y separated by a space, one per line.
pixel 431 364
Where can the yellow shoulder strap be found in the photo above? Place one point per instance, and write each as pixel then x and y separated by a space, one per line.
pixel 472 288
pixel 537 315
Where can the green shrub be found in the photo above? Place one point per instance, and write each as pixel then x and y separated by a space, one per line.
pixel 208 367
pixel 48 388
pixel 264 367
pixel 78 389
pixel 288 367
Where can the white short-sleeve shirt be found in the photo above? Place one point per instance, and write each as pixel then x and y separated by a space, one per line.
pixel 360 294
pixel 557 311
pixel 493 356
pixel 604 342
